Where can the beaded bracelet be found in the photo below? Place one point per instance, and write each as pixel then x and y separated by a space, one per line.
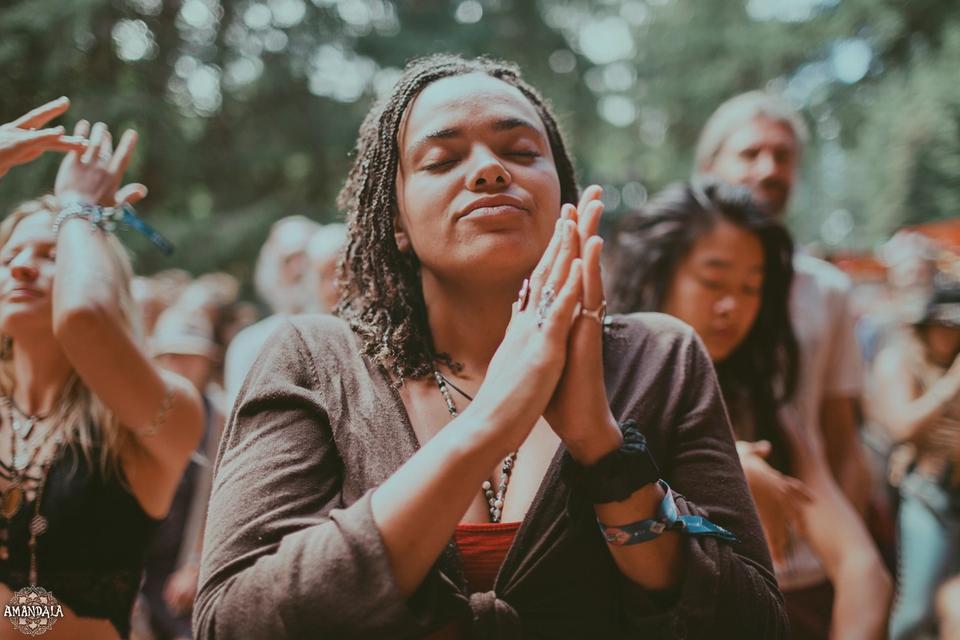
pixel 668 519
pixel 99 217
pixel 107 218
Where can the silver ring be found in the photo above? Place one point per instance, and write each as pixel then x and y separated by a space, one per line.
pixel 547 297
pixel 597 314
pixel 524 296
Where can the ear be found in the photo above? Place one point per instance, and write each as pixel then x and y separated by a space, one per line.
pixel 400 233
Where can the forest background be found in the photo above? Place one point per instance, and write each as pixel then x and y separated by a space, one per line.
pixel 248 109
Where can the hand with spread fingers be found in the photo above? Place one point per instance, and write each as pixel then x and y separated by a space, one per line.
pixel 579 411
pixel 22 140
pixel 525 368
pixel 94 175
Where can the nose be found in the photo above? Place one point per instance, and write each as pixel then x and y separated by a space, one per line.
pixel 22 267
pixel 487 172
pixel 766 165
pixel 726 305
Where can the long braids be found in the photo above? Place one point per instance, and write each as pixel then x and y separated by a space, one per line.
pixel 381 294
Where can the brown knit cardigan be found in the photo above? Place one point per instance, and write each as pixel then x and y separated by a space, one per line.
pixel 292 550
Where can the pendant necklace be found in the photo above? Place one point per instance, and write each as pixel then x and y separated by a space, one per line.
pixel 14 495
pixel 494 498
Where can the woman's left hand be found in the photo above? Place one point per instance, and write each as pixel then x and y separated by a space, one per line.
pixel 579 411
pixel 94 176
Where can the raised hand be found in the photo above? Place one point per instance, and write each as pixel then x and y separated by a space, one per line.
pixel 22 140
pixel 579 411
pixel 94 176
pixel 525 368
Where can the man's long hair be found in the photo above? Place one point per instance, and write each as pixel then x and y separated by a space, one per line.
pixel 381 294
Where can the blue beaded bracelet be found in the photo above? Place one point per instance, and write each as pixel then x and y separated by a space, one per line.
pixel 667 520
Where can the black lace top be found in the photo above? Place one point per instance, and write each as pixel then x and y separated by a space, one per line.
pixel 91 557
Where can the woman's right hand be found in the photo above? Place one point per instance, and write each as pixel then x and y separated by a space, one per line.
pixel 778 497
pixel 21 141
pixel 94 176
pixel 525 369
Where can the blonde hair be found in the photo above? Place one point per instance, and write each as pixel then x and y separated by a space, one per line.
pixel 84 420
pixel 739 110
pixel 288 237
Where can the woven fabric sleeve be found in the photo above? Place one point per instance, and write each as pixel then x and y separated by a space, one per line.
pixel 282 558
pixel 727 589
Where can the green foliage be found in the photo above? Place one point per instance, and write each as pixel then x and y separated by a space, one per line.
pixel 248 109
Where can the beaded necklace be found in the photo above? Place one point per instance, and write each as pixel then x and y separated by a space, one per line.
pixel 494 498
pixel 14 495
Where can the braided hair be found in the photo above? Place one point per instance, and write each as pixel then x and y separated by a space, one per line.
pixel 380 290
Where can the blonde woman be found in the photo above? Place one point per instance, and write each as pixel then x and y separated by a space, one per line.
pixel 93 436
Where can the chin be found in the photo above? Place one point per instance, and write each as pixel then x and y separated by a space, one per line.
pixel 718 353
pixel 19 318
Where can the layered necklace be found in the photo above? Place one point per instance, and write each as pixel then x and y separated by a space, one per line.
pixel 24 452
pixel 494 498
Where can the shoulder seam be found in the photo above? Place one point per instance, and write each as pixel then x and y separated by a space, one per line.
pixel 304 349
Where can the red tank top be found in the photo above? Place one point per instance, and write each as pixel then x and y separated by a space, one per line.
pixel 482 550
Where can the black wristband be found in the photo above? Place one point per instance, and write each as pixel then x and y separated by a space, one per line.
pixel 617 475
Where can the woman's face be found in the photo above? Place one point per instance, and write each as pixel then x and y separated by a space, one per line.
pixel 477 186
pixel 27 266
pixel 943 342
pixel 717 287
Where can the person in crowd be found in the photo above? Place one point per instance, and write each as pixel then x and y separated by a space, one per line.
pixel 21 141
pixel 185 343
pixel 707 255
pixel 323 255
pixel 279 278
pixel 94 436
pixel 154 294
pixel 435 461
pixel 916 397
pixel 757 140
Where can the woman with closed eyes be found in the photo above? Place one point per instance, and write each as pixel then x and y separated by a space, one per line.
pixel 93 435
pixel 471 449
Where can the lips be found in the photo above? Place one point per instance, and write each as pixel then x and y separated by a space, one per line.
pixel 24 292
pixel 494 206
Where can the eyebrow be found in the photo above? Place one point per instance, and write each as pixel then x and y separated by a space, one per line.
pixel 725 264
pixel 505 124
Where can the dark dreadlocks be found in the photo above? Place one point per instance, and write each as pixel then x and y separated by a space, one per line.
pixel 381 295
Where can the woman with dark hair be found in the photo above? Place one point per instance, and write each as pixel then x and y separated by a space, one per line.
pixel 705 254
pixel 93 435
pixel 435 462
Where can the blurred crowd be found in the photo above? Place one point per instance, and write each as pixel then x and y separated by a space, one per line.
pixel 843 390
pixel 198 328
